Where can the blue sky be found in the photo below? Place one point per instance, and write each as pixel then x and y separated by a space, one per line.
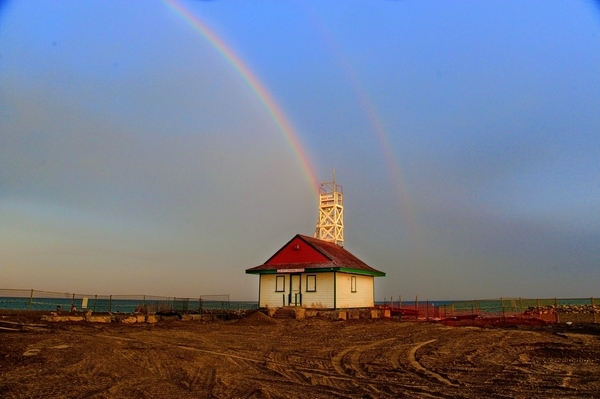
pixel 135 159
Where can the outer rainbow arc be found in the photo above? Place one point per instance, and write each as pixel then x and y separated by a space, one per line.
pixel 254 83
pixel 407 209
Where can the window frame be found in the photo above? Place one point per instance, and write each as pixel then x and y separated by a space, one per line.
pixel 280 283
pixel 314 283
pixel 353 284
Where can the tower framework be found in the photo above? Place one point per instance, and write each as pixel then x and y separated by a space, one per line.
pixel 330 225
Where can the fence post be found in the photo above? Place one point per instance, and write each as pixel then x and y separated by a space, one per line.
pixel 427 309
pixel 503 316
pixel 593 310
pixel 30 300
pixel 72 301
pixel 416 307
pixel 520 306
pixel 476 308
pixel 110 304
pixel 95 300
pixel 400 301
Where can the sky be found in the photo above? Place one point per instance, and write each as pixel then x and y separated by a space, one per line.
pixel 164 147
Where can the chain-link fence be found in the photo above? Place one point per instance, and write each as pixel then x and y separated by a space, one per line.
pixel 15 299
pixel 499 310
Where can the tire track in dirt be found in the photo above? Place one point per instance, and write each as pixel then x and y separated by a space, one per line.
pixel 277 362
pixel 396 354
pixel 187 348
pixel 355 357
pixel 386 387
pixel 146 358
pixel 336 361
pixel 413 361
pixel 199 380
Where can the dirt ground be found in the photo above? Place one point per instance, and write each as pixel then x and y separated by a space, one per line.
pixel 259 357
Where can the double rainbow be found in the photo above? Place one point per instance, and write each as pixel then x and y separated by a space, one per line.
pixel 255 85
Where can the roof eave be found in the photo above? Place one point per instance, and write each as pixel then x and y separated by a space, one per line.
pixel 374 273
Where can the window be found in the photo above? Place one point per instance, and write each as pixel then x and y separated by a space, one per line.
pixel 311 283
pixel 280 284
pixel 353 283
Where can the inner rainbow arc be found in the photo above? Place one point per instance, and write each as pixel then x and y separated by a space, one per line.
pixel 265 97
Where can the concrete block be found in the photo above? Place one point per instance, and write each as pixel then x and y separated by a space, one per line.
pixel 353 314
pixel 99 319
pixel 300 314
pixel 51 318
pixel 129 320
pixel 151 319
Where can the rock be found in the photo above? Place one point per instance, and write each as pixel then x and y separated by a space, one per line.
pixel 98 319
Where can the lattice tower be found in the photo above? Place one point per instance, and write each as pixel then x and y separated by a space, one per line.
pixel 330 225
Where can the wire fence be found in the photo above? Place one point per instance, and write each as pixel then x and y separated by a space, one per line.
pixel 498 311
pixel 475 312
pixel 19 299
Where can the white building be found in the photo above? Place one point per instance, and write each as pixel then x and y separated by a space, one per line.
pixel 313 273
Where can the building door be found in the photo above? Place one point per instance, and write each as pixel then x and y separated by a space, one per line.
pixel 295 298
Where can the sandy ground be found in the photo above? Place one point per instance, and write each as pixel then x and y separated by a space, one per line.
pixel 259 357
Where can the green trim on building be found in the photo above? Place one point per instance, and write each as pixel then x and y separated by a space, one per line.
pixel 259 284
pixel 323 270
pixel 334 291
pixel 358 271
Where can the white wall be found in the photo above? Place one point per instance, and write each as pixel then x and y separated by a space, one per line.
pixel 323 296
pixel 362 298
pixel 268 296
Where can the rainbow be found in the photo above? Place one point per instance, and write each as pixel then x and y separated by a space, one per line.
pixel 255 85
pixel 393 165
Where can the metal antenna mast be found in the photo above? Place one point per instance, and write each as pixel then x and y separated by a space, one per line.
pixel 330 225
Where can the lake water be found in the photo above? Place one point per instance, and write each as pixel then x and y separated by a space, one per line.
pixel 120 305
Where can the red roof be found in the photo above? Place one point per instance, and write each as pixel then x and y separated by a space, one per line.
pixel 304 252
